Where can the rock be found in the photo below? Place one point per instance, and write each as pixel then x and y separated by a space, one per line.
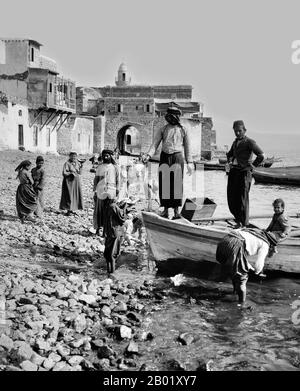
pixel 54 357
pixel 75 360
pixel 107 322
pixel 36 326
pixel 25 300
pixel 121 307
pixel 37 359
pixel 42 345
pixel 124 332
pixel 21 351
pixel 97 343
pixel 48 364
pixel 6 342
pixel 132 316
pixel 27 285
pixel 102 364
pixel 87 346
pixel 28 366
pixel 66 334
pixel 18 335
pixel 106 293
pixel 88 299
pixel 132 348
pixel 61 366
pixel 63 350
pixel 104 351
pixel 186 338
pixel 62 293
pixel 176 365
pixel 79 323
pixel 105 311
pixel 77 343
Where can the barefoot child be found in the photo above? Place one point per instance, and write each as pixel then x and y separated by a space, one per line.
pixel 279 225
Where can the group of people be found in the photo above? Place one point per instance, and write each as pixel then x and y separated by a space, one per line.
pixel 30 192
pixel 110 213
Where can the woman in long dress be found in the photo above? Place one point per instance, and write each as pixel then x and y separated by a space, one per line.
pixel 26 197
pixel 71 196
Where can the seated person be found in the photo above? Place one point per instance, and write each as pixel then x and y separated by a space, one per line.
pixel 279 225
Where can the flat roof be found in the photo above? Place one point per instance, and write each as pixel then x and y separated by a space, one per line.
pixel 21 40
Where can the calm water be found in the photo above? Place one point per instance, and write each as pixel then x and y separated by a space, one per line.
pixel 263 337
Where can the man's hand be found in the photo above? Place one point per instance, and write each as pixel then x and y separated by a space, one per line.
pixel 190 168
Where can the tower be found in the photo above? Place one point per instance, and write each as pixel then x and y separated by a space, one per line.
pixel 123 78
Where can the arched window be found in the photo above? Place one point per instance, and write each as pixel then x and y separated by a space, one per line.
pixel 32 55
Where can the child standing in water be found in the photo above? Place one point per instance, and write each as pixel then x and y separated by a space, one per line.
pixel 279 225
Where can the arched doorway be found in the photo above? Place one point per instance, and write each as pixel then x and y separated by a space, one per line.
pixel 128 139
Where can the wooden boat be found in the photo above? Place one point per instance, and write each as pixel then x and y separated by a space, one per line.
pixel 181 239
pixel 214 166
pixel 278 175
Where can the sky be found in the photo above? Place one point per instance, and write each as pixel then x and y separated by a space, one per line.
pixel 237 55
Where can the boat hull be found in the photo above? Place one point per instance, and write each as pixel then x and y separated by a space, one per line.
pixel 180 239
pixel 278 175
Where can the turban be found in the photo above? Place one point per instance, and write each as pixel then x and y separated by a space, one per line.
pixel 107 151
pixel 23 164
pixel 173 116
pixel 239 123
pixel 39 159
pixel 174 110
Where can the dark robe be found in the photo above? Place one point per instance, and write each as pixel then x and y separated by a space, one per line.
pixel 71 196
pixel 113 220
pixel 38 176
pixel 26 198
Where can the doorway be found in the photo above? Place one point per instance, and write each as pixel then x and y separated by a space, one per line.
pixel 21 136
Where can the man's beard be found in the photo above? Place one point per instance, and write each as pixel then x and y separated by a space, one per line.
pixel 107 160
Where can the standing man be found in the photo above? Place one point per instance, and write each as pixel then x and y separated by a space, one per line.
pixel 239 158
pixel 174 138
pixel 106 185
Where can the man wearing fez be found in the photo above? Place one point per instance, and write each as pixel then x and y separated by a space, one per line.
pixel 174 138
pixel 239 158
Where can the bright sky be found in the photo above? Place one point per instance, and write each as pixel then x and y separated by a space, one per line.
pixel 236 54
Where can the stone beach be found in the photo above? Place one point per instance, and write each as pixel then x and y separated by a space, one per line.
pixel 62 311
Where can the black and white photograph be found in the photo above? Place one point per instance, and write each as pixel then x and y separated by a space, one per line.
pixel 149 189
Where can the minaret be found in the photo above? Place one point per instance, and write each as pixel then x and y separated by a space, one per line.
pixel 123 76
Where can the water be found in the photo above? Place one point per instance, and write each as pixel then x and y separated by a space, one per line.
pixel 263 337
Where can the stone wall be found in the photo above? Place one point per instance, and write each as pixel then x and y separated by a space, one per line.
pixel 76 135
pixel 133 112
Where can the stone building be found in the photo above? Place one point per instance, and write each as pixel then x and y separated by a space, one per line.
pixel 126 115
pixel 34 100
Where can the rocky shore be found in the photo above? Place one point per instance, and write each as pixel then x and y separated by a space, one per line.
pixel 59 310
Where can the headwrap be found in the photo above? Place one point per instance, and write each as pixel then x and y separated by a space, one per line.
pixel 239 123
pixel 173 116
pixel 39 159
pixel 23 164
pixel 108 152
